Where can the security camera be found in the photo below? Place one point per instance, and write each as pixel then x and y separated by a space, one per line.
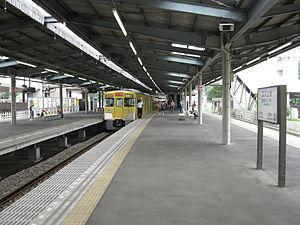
pixel 226 26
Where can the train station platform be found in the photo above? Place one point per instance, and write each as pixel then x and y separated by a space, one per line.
pixel 28 132
pixel 175 172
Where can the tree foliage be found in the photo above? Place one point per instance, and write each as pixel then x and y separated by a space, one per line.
pixel 213 92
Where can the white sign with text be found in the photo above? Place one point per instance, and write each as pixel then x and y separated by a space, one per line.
pixel 267 104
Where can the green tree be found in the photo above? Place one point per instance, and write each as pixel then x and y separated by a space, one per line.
pixel 5 95
pixel 213 92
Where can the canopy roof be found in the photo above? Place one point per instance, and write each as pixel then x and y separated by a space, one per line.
pixel 173 39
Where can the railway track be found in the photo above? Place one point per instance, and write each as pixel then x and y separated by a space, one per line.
pixel 13 195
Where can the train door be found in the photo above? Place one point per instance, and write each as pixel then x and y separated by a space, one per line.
pixel 129 108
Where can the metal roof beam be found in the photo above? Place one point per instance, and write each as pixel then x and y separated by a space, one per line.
pixel 12 27
pixel 9 63
pixel 212 41
pixel 148 45
pixel 36 44
pixel 192 8
pixel 283 10
pixel 261 38
pixel 257 11
pixel 157 56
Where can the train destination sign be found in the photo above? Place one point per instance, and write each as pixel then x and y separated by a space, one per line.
pixel 268 104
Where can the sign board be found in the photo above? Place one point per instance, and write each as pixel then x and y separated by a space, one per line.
pixel 267 104
pixel 200 87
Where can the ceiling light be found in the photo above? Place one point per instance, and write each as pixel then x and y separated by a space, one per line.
pixel 178 53
pixel 81 78
pixel 132 47
pixel 196 48
pixel 52 71
pixel 68 75
pixel 178 45
pixel 279 48
pixel 192 55
pixel 144 68
pixel 240 67
pixel 117 17
pixel 26 64
pixel 140 61
pixel 252 61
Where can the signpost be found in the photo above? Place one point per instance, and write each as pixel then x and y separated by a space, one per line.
pixel 272 108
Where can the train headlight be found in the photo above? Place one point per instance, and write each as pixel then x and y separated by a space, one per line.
pixel 109 110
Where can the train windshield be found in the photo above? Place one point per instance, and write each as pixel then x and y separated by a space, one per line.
pixel 119 102
pixel 129 102
pixel 109 102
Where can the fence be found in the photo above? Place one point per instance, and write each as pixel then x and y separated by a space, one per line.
pixel 6 115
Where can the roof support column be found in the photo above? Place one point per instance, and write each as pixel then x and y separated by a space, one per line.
pixel 13 98
pixel 86 101
pixel 61 100
pixel 226 70
pixel 191 92
pixel 200 91
pixel 184 101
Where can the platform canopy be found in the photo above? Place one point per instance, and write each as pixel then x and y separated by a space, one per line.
pixel 164 43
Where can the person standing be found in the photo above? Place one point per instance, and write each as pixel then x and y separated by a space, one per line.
pixel 140 108
pixel 172 106
pixel 31 112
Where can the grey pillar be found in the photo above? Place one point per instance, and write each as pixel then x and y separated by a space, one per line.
pixel 86 101
pixel 63 141
pixel 13 99
pixel 34 154
pixel 185 96
pixel 226 70
pixel 190 97
pixel 61 98
pixel 82 134
pixel 175 100
pixel 200 91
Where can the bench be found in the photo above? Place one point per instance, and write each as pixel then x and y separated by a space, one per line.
pixel 50 116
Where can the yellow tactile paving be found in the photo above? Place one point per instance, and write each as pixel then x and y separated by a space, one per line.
pixel 84 208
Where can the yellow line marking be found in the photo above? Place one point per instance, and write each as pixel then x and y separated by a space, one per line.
pixel 84 208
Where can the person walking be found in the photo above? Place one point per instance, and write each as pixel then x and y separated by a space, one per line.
pixel 140 108
pixel 159 106
pixel 172 106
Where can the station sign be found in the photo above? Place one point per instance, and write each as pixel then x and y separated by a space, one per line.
pixel 267 109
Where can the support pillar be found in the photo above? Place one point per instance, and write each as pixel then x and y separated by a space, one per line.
pixel 63 141
pixel 191 93
pixel 61 98
pixel 34 154
pixel 82 134
pixel 13 99
pixel 185 96
pixel 200 91
pixel 86 101
pixel 175 100
pixel 226 70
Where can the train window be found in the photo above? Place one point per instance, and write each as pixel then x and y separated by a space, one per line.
pixel 119 102
pixel 109 102
pixel 129 102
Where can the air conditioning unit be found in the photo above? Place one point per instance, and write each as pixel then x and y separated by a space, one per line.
pixel 226 26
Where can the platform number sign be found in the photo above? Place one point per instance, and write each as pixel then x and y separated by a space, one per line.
pixel 268 104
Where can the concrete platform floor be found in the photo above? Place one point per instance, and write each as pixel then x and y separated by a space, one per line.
pixel 26 125
pixel 177 172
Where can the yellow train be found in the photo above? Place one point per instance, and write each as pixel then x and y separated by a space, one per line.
pixel 120 107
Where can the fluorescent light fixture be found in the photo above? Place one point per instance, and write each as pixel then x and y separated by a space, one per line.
pixel 178 53
pixel 132 47
pixel 93 81
pixel 192 55
pixel 117 17
pixel 140 61
pixel 81 78
pixel 100 83
pixel 52 71
pixel 192 47
pixel 279 48
pixel 3 58
pixel 44 72
pixel 252 61
pixel 178 45
pixel 240 67
pixel 144 68
pixel 26 64
pixel 148 74
pixel 68 75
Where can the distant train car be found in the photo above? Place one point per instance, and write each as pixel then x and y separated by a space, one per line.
pixel 121 107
